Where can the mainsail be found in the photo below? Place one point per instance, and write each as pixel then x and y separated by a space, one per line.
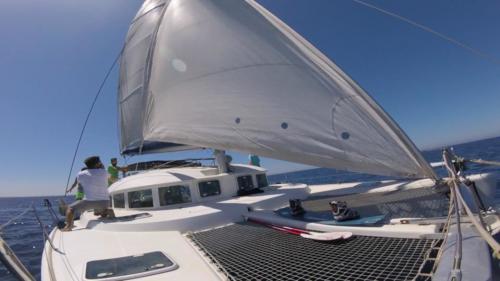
pixel 134 66
pixel 229 75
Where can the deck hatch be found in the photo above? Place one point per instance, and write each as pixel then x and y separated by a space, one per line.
pixel 129 267
pixel 252 252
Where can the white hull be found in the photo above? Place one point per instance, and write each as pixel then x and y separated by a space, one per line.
pixel 166 229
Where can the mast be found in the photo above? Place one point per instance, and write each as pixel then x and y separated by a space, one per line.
pixel 221 160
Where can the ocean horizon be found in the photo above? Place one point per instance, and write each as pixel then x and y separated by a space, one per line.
pixel 25 238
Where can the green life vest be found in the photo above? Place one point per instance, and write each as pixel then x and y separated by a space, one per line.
pixel 79 192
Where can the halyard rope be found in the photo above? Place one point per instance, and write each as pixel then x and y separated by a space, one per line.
pixel 454 41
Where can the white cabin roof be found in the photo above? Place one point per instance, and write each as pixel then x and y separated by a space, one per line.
pixel 174 175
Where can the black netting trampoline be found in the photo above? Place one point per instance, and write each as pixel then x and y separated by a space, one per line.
pixel 249 251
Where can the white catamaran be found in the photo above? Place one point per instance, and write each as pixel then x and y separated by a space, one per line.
pixel 229 75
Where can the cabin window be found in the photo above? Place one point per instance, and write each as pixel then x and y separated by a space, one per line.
pixel 138 265
pixel 262 180
pixel 140 199
pixel 245 182
pixel 176 194
pixel 209 188
pixel 119 200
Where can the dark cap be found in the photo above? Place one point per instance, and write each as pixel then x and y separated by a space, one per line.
pixel 92 161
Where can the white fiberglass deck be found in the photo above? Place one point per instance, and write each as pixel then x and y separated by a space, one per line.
pixel 82 246
pixel 164 230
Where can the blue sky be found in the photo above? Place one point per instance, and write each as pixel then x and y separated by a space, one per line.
pixel 54 53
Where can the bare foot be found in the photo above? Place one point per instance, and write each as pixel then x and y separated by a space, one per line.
pixel 67 228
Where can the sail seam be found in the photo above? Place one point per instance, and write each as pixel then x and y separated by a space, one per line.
pixel 152 9
pixel 147 73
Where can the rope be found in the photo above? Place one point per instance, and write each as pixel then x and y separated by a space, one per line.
pixel 16 217
pixel 333 176
pixel 45 234
pixel 446 230
pixel 484 162
pixel 454 41
pixel 495 246
pixel 483 232
pixel 88 117
pixel 456 272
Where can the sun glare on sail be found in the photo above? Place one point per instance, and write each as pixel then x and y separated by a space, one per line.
pixel 179 65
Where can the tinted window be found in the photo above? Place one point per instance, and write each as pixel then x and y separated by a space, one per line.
pixel 209 188
pixel 149 262
pixel 262 180
pixel 245 182
pixel 119 200
pixel 174 195
pixel 140 199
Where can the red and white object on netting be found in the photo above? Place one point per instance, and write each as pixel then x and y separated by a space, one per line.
pixel 318 236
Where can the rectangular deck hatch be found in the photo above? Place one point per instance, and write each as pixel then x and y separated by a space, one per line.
pixel 128 267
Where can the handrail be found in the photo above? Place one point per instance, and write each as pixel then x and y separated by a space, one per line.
pixel 189 162
pixel 295 179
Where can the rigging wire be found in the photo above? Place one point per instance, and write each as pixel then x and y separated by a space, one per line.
pixel 88 117
pixel 456 180
pixel 452 40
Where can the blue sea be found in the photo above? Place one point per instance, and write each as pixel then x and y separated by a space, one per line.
pixel 25 237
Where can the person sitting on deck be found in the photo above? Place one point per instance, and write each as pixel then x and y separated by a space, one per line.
pixel 113 170
pixel 96 196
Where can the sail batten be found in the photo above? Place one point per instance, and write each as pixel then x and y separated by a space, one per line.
pixel 228 74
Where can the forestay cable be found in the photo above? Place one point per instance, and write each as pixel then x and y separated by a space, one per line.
pixel 88 117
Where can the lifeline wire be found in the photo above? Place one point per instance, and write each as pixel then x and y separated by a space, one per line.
pixel 88 117
pixel 454 41
pixel 15 218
